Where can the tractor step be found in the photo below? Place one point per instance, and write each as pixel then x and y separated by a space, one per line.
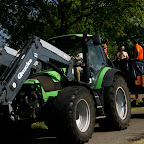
pixel 100 117
pixel 99 105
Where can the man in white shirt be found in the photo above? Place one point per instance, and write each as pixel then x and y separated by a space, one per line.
pixel 79 57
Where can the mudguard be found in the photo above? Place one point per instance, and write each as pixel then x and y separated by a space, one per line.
pixel 108 77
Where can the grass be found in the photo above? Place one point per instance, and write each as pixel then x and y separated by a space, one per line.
pixel 138 141
pixel 139 105
pixel 39 125
pixel 136 108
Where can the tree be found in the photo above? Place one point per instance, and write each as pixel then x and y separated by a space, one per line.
pixel 43 18
pixel 113 19
pixel 121 22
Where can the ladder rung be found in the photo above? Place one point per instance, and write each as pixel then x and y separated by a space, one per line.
pixel 100 117
pixel 96 96
pixel 99 106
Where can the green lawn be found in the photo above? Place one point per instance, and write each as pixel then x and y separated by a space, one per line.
pixel 138 141
pixel 39 125
pixel 139 106
pixel 136 108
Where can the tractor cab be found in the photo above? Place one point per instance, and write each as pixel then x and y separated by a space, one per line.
pixel 94 58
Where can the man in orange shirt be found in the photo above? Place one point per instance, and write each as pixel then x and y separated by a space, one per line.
pixel 138 53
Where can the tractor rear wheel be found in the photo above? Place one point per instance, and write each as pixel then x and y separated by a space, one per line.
pixel 117 105
pixel 75 112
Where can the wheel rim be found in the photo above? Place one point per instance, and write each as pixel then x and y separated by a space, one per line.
pixel 82 115
pixel 121 103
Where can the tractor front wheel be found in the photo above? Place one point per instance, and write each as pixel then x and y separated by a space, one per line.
pixel 75 112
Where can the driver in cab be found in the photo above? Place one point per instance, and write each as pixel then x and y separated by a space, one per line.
pixel 79 58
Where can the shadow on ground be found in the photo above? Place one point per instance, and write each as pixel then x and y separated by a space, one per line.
pixel 38 136
pixel 43 136
pixel 137 116
pixel 102 129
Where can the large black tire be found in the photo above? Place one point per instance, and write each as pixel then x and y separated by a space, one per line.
pixel 72 103
pixel 117 105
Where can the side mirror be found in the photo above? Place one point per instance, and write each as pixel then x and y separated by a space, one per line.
pixel 97 39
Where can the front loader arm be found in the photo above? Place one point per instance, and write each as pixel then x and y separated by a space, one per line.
pixel 18 72
pixel 7 55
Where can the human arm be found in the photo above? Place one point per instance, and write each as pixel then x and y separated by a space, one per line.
pixel 127 57
pixel 136 52
pixel 78 58
pixel 117 56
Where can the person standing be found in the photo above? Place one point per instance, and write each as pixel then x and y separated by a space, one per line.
pixel 104 46
pixel 122 54
pixel 138 52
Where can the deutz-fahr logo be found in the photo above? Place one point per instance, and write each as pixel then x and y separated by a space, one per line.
pixel 20 75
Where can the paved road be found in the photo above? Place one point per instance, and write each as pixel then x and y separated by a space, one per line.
pixel 134 131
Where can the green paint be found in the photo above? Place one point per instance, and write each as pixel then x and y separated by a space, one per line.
pixel 31 81
pixel 56 77
pixel 77 35
pixel 51 94
pixel 46 95
pixel 101 76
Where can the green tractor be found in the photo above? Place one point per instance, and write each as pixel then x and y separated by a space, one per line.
pixel 52 93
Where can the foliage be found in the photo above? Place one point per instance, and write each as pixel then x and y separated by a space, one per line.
pixel 118 20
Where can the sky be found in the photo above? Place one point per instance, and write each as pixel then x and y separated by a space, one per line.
pixel 3 36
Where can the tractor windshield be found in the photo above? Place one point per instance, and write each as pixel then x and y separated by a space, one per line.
pixel 96 61
pixel 67 44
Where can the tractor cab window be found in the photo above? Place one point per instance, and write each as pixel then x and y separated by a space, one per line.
pixel 67 44
pixel 96 62
pixel 71 45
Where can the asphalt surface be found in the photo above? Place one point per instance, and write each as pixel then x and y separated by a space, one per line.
pixel 101 136
pixel 133 132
